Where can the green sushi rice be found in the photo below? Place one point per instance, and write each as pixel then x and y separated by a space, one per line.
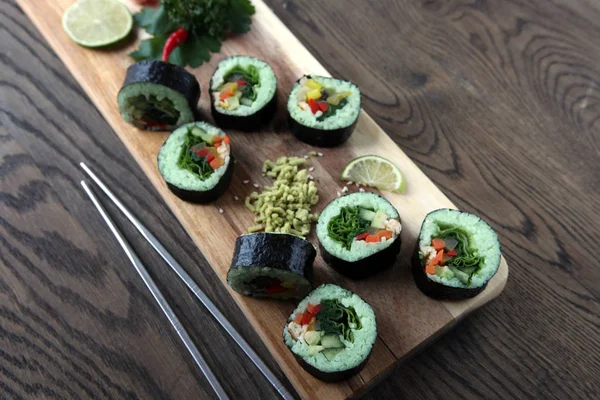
pixel 482 241
pixel 169 156
pixel 264 91
pixel 363 337
pixel 359 249
pixel 130 96
pixel 343 117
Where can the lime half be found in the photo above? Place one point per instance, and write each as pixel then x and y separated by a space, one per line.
pixel 95 23
pixel 374 171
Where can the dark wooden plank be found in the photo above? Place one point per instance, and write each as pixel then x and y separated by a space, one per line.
pixel 496 101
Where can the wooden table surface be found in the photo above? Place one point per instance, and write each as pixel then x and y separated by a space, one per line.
pixel 498 102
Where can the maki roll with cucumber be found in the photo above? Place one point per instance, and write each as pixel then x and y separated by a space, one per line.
pixel 158 96
pixel 359 234
pixel 196 162
pixel 456 255
pixel 275 265
pixel 243 93
pixel 323 111
pixel 331 333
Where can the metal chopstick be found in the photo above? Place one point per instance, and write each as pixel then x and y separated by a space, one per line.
pixel 210 306
pixel 162 302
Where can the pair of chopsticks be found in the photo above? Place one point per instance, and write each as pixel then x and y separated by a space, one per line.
pixel 162 302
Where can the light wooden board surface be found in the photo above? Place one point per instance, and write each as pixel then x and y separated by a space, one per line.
pixel 407 320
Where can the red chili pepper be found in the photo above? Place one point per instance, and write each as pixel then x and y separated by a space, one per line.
pixel 451 253
pixel 362 236
pixel 314 107
pixel 323 106
pixel 241 82
pixel 174 40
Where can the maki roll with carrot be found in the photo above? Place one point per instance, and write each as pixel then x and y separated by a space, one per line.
pixel 242 93
pixel 456 255
pixel 331 333
pixel 359 234
pixel 323 111
pixel 158 96
pixel 275 265
pixel 196 162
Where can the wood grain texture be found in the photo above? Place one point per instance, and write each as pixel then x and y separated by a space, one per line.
pixel 509 151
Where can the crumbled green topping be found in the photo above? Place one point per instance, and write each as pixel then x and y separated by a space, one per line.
pixel 284 207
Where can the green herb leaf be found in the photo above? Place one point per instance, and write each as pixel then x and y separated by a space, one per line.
pixel 190 161
pixel 346 225
pixel 465 259
pixel 155 21
pixel 335 318
pixel 150 49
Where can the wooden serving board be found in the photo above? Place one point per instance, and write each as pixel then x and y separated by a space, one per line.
pixel 407 321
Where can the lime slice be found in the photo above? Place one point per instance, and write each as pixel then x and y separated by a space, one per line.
pixel 374 171
pixel 95 23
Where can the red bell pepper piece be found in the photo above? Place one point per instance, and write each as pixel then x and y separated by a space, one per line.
pixel 313 309
pixel 362 236
pixel 276 289
pixel 314 107
pixel 451 253
pixel 323 106
pixel 202 153
pixel 241 82
pixel 210 157
pixel 306 318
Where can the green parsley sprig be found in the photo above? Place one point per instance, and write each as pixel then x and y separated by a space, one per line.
pixel 207 23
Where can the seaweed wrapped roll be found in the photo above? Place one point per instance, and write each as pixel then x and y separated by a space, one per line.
pixel 323 111
pixel 331 333
pixel 158 96
pixel 359 234
pixel 243 93
pixel 196 162
pixel 275 265
pixel 456 255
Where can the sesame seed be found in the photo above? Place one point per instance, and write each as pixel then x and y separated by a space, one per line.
pixel 345 189
pixel 311 169
pixel 246 182
pixel 256 185
pixel 236 198
pixel 338 193
pixel 320 154
pixel 221 211
pixel 350 182
pixel 361 190
pixel 306 157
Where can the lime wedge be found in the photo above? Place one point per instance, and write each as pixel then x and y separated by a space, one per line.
pixel 95 23
pixel 374 171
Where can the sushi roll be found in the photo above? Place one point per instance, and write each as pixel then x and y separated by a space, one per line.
pixel 275 265
pixel 323 111
pixel 158 96
pixel 242 93
pixel 456 255
pixel 331 333
pixel 359 234
pixel 196 162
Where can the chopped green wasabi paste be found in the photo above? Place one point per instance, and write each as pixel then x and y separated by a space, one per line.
pixel 285 206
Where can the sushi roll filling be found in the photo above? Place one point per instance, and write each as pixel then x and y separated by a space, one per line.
pixel 152 112
pixel 269 285
pixel 321 101
pixel 450 255
pixel 240 88
pixel 202 153
pixel 355 223
pixel 327 327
